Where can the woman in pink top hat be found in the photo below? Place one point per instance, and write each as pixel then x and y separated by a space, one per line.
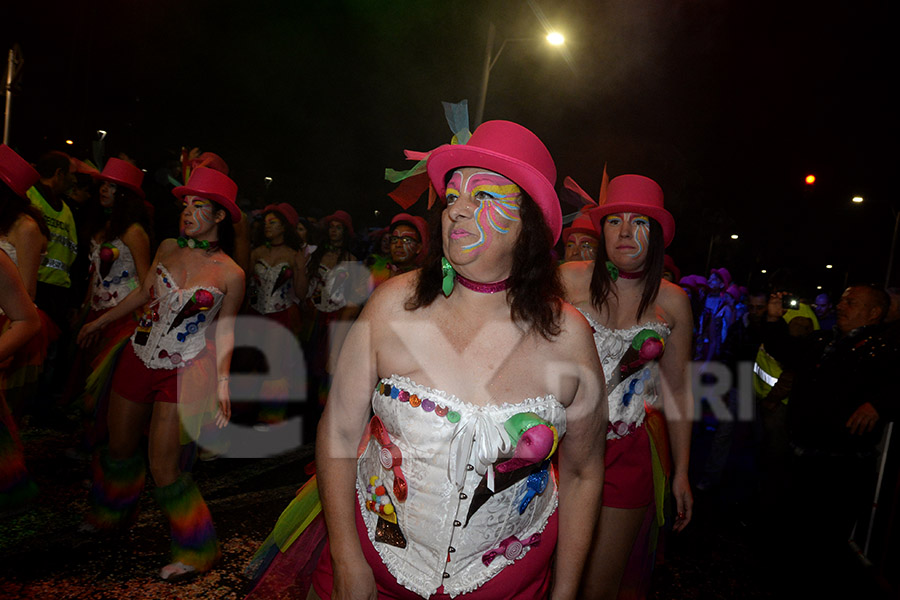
pixel 455 487
pixel 642 329
pixel 581 239
pixel 23 237
pixel 170 376
pixel 21 243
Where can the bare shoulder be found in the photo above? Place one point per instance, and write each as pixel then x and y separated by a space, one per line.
pixel 25 226
pixel 134 233
pixel 576 277
pixel 391 296
pixel 576 335
pixel 674 302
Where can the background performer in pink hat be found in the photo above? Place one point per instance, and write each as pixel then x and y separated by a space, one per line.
pixel 170 376
pixel 642 329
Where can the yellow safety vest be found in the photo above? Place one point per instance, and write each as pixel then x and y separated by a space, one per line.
pixel 767 370
pixel 62 245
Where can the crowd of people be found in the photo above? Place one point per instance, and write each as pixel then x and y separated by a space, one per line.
pixel 529 432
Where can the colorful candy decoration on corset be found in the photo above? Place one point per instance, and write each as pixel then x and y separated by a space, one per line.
pixel 200 301
pixel 414 401
pixel 511 548
pixel 378 501
pixel 108 255
pixel 284 276
pixel 646 346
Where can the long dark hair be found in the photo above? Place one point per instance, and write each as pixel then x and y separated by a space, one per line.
pixel 316 258
pixel 128 208
pixel 535 289
pixel 602 283
pixel 291 237
pixel 224 229
pixel 13 206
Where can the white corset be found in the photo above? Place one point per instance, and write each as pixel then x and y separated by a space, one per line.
pixel 10 250
pixel 448 448
pixel 271 288
pixel 172 331
pixel 628 397
pixel 111 281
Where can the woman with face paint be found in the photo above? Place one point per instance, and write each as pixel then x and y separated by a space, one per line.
pixel 484 459
pixel 170 377
pixel 117 230
pixel 279 268
pixel 642 330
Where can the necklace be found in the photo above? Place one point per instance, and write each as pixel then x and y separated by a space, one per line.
pixel 615 273
pixel 271 245
pixel 189 242
pixel 449 276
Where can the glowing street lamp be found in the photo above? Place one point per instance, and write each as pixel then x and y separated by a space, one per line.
pixel 734 236
pixel 555 38
pixel 857 200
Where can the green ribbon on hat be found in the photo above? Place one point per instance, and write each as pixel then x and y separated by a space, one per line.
pixel 448 276
pixel 613 270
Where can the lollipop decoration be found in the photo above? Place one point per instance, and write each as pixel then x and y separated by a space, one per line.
pixel 646 346
pixel 201 300
pixel 284 276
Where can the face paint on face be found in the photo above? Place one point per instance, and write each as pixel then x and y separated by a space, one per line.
pixel 108 194
pixel 405 244
pixel 581 246
pixel 197 215
pixel 273 227
pixel 620 227
pixel 497 204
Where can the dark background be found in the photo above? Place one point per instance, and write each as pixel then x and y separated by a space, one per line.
pixel 728 105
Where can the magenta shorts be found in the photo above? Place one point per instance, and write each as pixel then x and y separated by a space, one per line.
pixel 528 577
pixel 628 479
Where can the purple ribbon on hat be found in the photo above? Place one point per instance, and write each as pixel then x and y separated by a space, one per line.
pixel 511 548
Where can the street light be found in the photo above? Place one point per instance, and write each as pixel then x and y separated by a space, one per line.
pixel 490 59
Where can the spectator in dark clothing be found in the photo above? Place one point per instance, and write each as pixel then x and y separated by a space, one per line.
pixel 841 398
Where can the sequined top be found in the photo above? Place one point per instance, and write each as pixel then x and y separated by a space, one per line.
pixel 271 288
pixel 172 330
pixel 640 385
pixel 113 273
pixel 444 456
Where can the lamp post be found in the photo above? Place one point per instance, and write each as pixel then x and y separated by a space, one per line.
pixel 490 59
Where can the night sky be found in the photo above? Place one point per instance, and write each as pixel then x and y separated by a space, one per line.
pixel 728 105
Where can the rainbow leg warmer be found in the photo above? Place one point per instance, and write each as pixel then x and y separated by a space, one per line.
pixel 194 540
pixel 116 491
pixel 16 485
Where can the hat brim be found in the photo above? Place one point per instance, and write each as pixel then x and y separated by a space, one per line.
pixel 661 215
pixel 570 230
pixel 127 184
pixel 226 203
pixel 455 156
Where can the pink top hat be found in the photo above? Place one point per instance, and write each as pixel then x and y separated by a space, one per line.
pixel 285 210
pixel 723 274
pixel 635 194
pixel 15 171
pixel 581 224
pixel 124 173
pixel 211 160
pixel 510 150
pixel 212 185
pixel 418 223
pixel 342 217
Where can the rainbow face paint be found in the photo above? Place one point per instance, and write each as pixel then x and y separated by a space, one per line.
pixel 108 194
pixel 496 200
pixel 636 224
pixel 197 215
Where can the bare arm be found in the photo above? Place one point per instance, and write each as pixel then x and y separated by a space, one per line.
pixel 339 433
pixel 678 399
pixel 30 243
pixel 234 296
pixel 18 307
pixel 580 464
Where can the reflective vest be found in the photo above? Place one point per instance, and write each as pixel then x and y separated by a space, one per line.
pixel 62 245
pixel 766 370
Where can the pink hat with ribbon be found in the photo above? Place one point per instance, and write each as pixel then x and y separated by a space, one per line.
pixel 123 173
pixel 512 151
pixel 212 185
pixel 342 217
pixel 581 224
pixel 15 171
pixel 285 210
pixel 635 194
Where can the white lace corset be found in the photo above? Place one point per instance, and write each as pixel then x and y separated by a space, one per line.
pixel 450 453
pixel 328 287
pixel 639 387
pixel 271 288
pixel 172 330
pixel 113 278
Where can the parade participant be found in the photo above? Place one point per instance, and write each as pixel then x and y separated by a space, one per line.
pixel 20 320
pixel 279 268
pixel 455 490
pixel 581 239
pixel 716 317
pixel 642 329
pixel 169 376
pixel 408 241
pixel 23 237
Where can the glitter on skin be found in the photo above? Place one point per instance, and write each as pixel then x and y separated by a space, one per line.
pixel 497 198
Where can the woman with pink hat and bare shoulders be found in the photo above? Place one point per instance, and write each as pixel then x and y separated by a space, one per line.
pixel 455 487
pixel 642 330
pixel 170 376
